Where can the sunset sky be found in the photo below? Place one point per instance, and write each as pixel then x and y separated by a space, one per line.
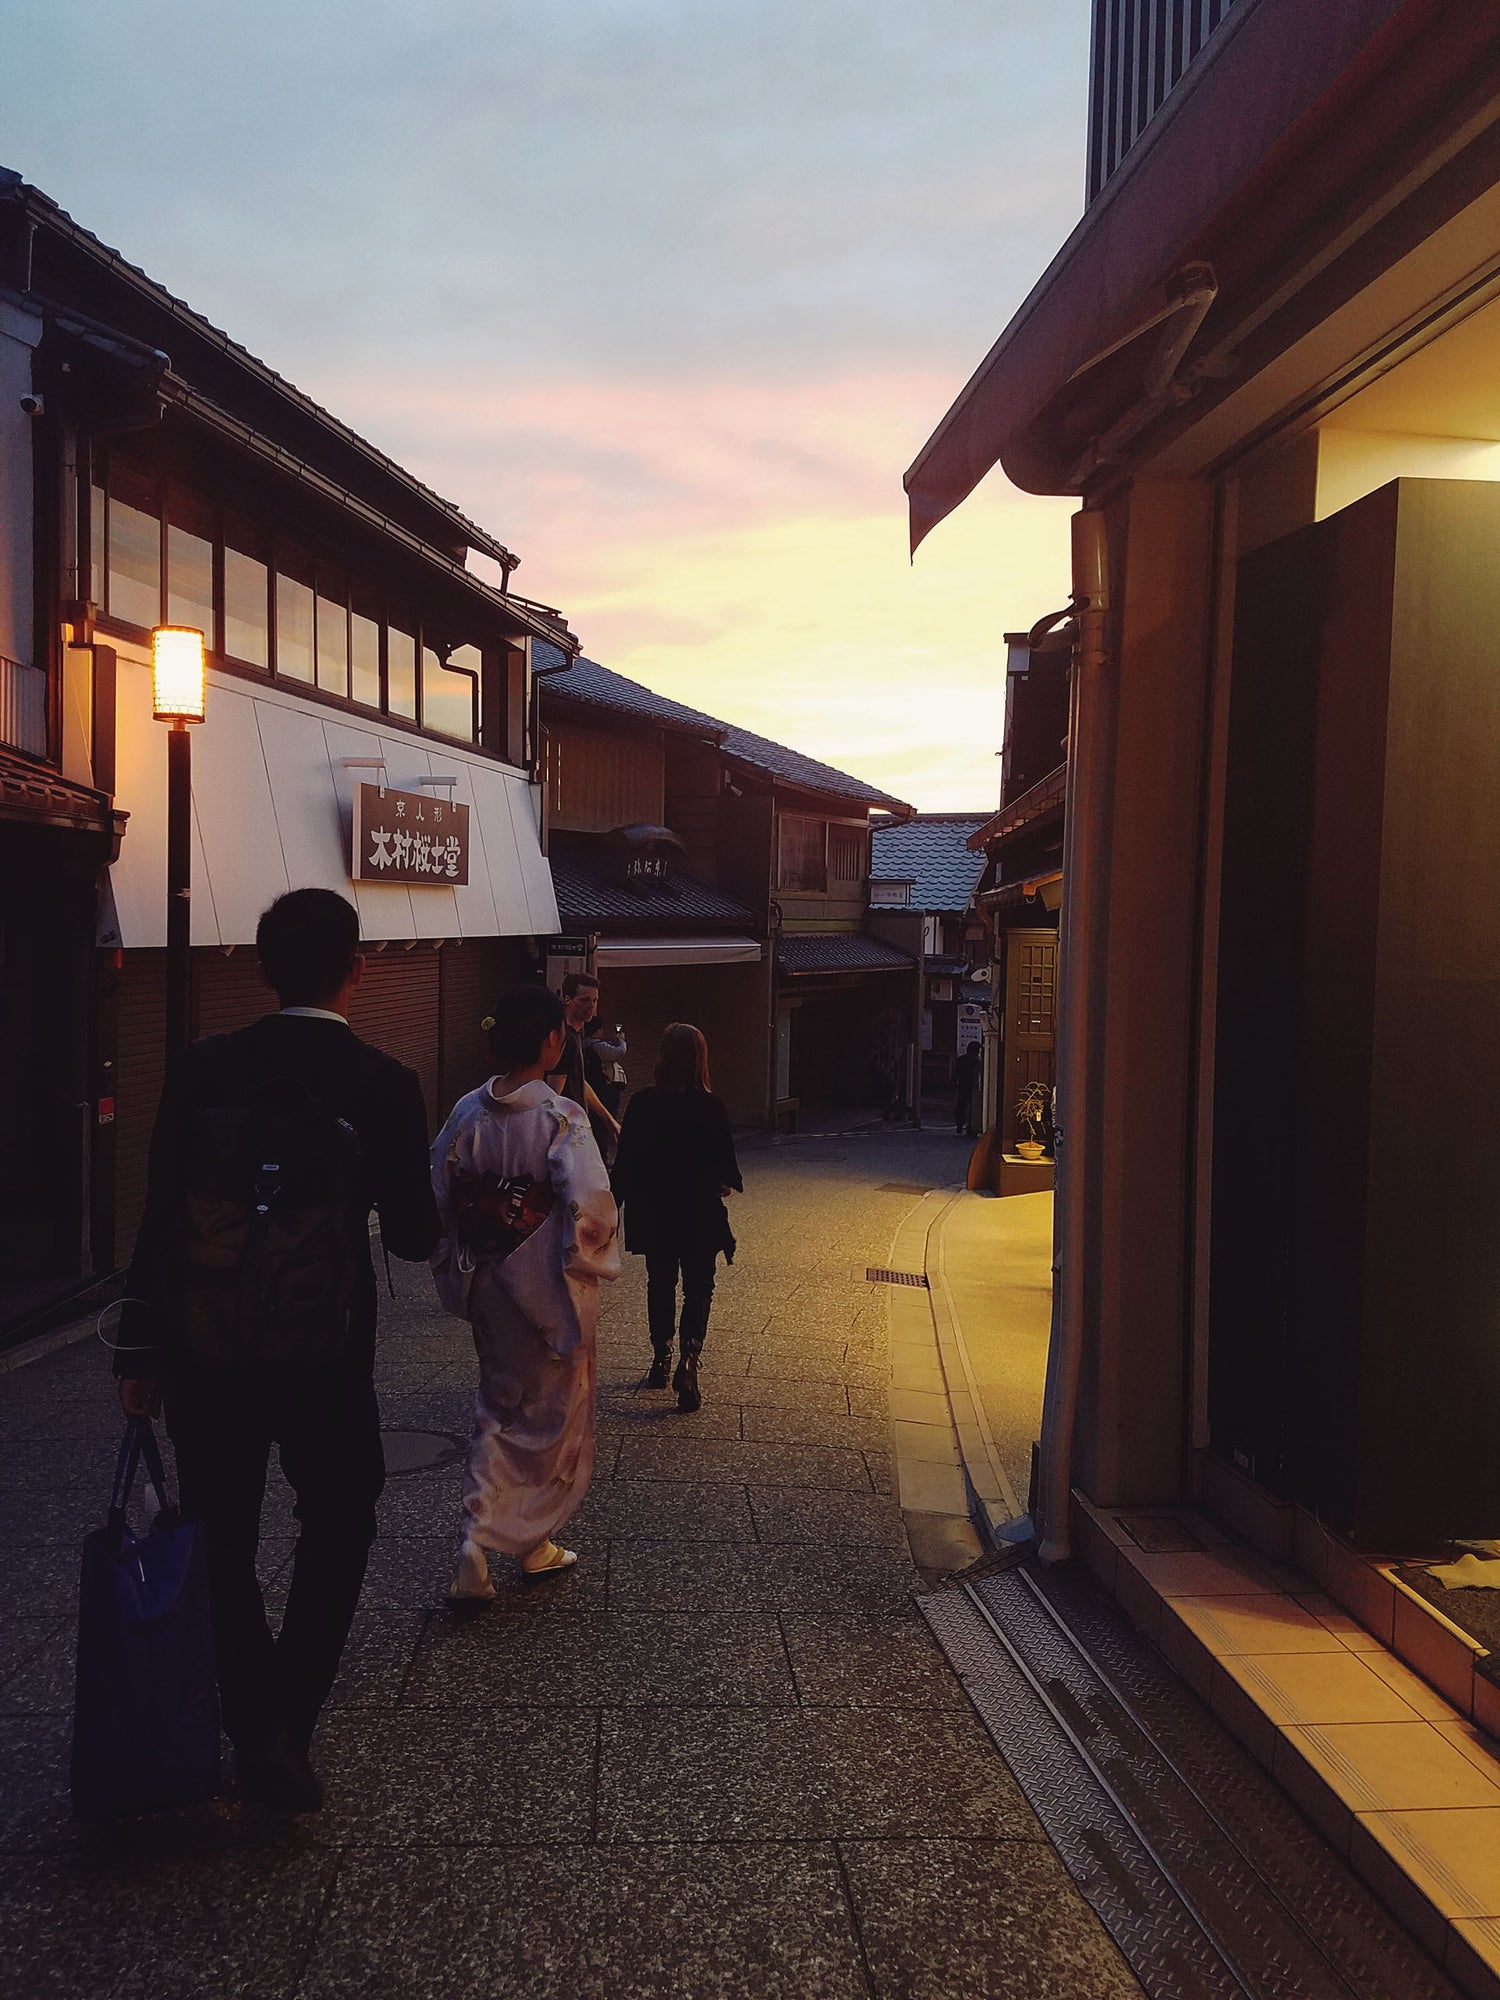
pixel 666 293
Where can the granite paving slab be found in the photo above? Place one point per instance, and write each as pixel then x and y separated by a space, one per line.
pixel 762 1425
pixel 686 1458
pixel 657 1510
pixel 593 1660
pixel 433 1775
pixel 846 1660
pixel 762 1774
pixel 737 1922
pixel 652 1576
pixel 988 1920
pixel 654 1412
pixel 793 1514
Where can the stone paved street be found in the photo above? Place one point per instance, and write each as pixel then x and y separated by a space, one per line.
pixel 722 1758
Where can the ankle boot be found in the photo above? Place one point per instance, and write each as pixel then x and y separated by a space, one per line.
pixel 660 1368
pixel 685 1382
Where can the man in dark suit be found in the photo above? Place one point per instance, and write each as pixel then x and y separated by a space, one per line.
pixel 224 1410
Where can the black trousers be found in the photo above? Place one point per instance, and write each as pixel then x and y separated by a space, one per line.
pixel 697 1269
pixel 327 1426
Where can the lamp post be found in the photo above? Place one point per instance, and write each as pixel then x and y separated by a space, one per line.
pixel 178 691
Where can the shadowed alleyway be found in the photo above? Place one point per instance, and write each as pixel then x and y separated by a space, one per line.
pixel 722 1758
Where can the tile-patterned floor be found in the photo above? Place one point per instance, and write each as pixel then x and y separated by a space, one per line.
pixel 1382 1764
pixel 722 1758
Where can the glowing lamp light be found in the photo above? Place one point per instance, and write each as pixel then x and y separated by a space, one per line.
pixel 178 677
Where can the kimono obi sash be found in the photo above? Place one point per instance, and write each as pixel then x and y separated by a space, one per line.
pixel 494 1216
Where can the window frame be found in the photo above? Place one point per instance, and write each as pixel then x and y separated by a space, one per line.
pixel 328 578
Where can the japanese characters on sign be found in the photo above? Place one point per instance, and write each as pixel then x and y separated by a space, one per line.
pixel 647 868
pixel 409 837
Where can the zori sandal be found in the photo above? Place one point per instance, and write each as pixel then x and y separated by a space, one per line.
pixel 548 1560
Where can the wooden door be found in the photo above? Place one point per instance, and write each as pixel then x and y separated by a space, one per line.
pixel 1030 1025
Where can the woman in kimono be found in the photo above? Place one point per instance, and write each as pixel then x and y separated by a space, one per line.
pixel 674 1165
pixel 529 1228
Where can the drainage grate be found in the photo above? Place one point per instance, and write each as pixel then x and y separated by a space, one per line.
pixel 877 1274
pixel 1197 1864
pixel 905 1187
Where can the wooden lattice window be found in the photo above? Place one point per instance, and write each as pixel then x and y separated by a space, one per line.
pixel 803 854
pixel 846 853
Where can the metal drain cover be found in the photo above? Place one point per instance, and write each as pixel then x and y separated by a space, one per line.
pixel 877 1274
pixel 419 1451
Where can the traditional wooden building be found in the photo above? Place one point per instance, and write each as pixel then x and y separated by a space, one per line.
pixel 155 472
pixel 707 873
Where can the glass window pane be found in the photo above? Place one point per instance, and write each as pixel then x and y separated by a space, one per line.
pixel 401 672
pixel 246 582
pixel 190 582
pixel 96 545
pixel 134 565
pixel 448 697
pixel 294 629
pixel 364 660
pixel 333 646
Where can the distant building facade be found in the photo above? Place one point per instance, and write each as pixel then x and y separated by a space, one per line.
pixel 707 873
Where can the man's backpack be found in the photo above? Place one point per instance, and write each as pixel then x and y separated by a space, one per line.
pixel 275 1226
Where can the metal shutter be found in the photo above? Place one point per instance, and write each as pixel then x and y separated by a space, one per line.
pixel 396 1006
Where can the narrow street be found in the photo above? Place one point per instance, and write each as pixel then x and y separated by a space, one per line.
pixel 724 1757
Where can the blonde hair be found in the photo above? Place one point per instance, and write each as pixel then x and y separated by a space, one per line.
pixel 683 1061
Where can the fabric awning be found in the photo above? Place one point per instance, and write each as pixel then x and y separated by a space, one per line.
pixel 1293 115
pixel 272 804
pixel 618 952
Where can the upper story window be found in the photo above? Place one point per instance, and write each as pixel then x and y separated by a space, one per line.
pixel 847 851
pixel 160 553
pixel 802 854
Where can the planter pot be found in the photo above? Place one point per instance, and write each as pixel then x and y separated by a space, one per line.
pixel 1030 1149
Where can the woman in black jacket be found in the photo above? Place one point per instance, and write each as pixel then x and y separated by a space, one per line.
pixel 673 1167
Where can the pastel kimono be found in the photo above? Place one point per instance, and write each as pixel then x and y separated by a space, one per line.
pixel 529 1228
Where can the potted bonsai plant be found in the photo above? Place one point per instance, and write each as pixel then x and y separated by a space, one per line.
pixel 1033 1108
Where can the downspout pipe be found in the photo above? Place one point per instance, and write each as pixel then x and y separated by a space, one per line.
pixel 1078 949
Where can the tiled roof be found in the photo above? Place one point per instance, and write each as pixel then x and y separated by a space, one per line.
pixel 598 687
pixel 586 681
pixel 932 853
pixel 589 891
pixel 837 951
pixel 1046 800
pixel 795 769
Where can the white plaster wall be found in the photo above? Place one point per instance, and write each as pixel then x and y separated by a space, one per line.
pixel 20 330
pixel 272 805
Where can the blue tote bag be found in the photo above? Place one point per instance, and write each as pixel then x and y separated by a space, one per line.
pixel 146 1709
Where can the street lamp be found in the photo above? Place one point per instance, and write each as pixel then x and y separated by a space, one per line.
pixel 177 698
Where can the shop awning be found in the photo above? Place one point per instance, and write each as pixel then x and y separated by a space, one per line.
pixel 272 804
pixel 1281 145
pixel 622 951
